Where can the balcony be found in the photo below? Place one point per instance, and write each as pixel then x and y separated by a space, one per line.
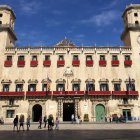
pixel 128 62
pixel 17 94
pixel 75 62
pixel 8 63
pixel 60 62
pixel 89 63
pixel 75 92
pixel 119 93
pixel 132 93
pixel 98 93
pixel 21 63
pixel 34 63
pixel 35 93
pixel 102 63
pixel 115 62
pixel 47 63
pixel 59 93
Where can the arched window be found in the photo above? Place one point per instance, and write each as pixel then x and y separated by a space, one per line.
pixel 136 22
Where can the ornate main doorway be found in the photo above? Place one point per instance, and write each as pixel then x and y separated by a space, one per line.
pixel 68 110
pixel 100 113
pixel 36 112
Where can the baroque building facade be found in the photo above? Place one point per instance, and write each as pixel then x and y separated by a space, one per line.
pixel 65 79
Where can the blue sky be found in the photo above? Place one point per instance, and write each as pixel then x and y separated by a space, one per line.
pixel 85 22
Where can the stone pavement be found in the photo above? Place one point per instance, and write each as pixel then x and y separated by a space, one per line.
pixel 84 126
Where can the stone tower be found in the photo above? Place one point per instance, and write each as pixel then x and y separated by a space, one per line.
pixel 7 34
pixel 131 33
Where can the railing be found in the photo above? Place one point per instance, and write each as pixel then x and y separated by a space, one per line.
pixel 61 62
pixel 76 62
pixel 33 63
pixel 8 63
pixel 12 94
pixel 21 63
pixel 68 93
pixel 47 62
pixel 89 62
pixel 115 62
pixel 102 62
pixel 128 62
pixel 36 93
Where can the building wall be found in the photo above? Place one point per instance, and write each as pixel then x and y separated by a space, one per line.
pixel 87 105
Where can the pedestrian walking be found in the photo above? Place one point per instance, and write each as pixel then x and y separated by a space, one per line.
pixel 45 121
pixel 28 122
pixel 40 122
pixel 72 118
pixel 21 122
pixel 57 123
pixel 50 122
pixel 15 122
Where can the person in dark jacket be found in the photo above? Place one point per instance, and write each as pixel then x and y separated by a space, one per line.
pixel 45 121
pixel 15 122
pixel 40 122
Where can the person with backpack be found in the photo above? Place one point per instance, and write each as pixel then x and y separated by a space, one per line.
pixel 15 122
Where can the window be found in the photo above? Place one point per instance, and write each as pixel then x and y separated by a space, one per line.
pixel 135 14
pixel 88 57
pixel 60 87
pixel 44 87
pixel 6 88
pixel 102 57
pixel 21 58
pixel 10 113
pixel 114 57
pixel 32 87
pixel 125 101
pixel 1 14
pixel 75 57
pixel 90 87
pixel 127 57
pixel 9 58
pixel 136 22
pixel 130 87
pixel 61 57
pixel 19 87
pixel 117 87
pixel 76 87
pixel 47 57
pixel 11 102
pixel 104 87
pixel 34 58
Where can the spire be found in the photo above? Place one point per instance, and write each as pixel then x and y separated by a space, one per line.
pixel 65 42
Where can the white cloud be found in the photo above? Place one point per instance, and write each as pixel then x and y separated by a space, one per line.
pixel 103 19
pixel 30 7
pixel 111 5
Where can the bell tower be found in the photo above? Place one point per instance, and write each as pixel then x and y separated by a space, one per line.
pixel 131 33
pixel 7 34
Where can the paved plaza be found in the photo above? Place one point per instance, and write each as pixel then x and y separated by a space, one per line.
pixel 90 131
pixel 72 135
pixel 83 126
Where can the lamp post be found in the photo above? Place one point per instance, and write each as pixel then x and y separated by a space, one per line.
pixel 68 73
